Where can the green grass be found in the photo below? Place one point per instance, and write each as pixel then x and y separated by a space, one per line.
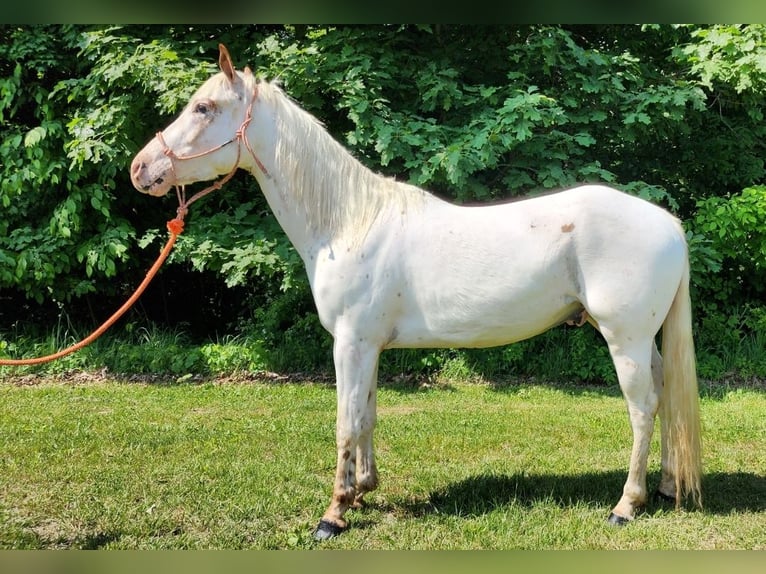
pixel 92 463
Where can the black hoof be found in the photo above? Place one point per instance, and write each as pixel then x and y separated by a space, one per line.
pixel 661 496
pixel 326 530
pixel 615 520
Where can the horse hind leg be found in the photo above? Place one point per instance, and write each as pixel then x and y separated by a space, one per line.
pixel 633 363
pixel 666 490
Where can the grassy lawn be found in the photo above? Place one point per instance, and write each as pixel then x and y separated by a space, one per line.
pixel 90 462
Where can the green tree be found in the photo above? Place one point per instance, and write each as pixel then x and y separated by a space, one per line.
pixel 473 113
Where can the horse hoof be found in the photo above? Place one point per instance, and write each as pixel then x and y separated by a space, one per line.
pixel 615 520
pixel 326 530
pixel 661 496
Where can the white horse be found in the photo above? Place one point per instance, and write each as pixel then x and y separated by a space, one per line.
pixel 391 266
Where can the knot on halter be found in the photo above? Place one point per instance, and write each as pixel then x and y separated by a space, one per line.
pixel 176 226
pixel 241 135
pixel 165 148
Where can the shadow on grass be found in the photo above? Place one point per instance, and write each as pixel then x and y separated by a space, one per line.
pixel 31 540
pixel 723 493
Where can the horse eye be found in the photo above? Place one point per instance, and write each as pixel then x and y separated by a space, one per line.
pixel 202 108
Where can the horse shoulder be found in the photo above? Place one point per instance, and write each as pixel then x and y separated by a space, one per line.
pixel 355 283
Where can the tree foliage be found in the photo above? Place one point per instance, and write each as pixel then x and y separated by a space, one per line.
pixel 670 113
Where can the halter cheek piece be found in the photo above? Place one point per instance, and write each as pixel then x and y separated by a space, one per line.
pixel 240 136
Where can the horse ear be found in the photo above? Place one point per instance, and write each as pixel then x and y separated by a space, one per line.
pixel 224 61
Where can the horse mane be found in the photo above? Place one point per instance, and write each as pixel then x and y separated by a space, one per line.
pixel 338 193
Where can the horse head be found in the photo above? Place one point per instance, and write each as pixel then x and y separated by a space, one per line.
pixel 205 140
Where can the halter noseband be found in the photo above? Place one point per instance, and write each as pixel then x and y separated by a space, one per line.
pixel 239 136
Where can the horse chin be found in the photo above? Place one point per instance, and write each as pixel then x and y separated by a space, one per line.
pixel 159 191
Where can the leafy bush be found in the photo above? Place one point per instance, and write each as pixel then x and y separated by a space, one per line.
pixel 233 355
pixel 670 113
pixel 736 229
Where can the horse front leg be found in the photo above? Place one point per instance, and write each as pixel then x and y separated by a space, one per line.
pixel 356 369
pixel 366 470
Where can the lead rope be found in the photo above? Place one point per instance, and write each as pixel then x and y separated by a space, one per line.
pixel 175 227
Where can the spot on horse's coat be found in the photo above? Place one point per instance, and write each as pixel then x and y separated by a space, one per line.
pixel 567 228
pixel 343 498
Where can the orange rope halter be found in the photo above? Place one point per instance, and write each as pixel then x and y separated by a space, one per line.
pixel 175 227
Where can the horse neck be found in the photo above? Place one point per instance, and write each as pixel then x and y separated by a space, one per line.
pixel 316 189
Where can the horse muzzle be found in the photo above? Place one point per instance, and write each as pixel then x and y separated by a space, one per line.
pixel 152 177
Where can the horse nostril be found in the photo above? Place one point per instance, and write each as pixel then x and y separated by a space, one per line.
pixel 137 168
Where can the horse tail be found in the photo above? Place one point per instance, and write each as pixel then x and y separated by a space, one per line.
pixel 680 395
